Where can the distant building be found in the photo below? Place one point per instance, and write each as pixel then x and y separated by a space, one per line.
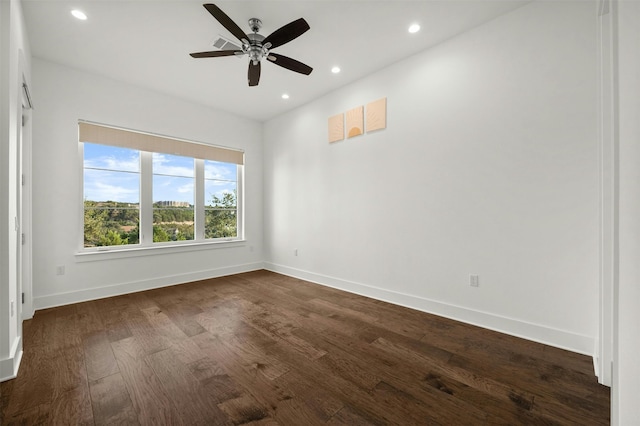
pixel 172 204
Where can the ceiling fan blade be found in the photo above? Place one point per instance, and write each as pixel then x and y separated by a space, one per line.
pixel 216 53
pixel 226 22
pixel 290 64
pixel 287 33
pixel 254 73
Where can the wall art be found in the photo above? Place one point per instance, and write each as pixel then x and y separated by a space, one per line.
pixel 336 128
pixel 377 115
pixel 355 122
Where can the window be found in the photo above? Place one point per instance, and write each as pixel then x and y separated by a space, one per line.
pixel 111 196
pixel 173 201
pixel 221 193
pixel 146 190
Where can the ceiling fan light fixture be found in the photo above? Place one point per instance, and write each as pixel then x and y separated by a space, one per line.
pixel 78 14
pixel 335 70
pixel 256 46
pixel 414 28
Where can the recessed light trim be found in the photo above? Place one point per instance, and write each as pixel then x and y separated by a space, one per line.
pixel 78 14
pixel 414 28
pixel 285 96
pixel 335 70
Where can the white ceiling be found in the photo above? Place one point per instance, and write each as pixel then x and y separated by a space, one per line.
pixel 147 43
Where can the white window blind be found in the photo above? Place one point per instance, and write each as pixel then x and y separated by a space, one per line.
pixel 106 135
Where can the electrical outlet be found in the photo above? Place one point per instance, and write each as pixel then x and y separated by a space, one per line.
pixel 60 270
pixel 474 280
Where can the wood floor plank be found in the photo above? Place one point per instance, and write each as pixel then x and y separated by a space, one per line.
pixel 319 401
pixel 150 339
pixel 262 348
pixel 186 391
pixel 253 356
pixel 182 315
pixel 205 368
pixel 74 406
pixel 348 416
pixel 33 415
pixel 244 409
pixel 111 402
pixel 89 320
pixel 98 356
pixel 530 400
pixel 294 411
pixel 277 326
pixel 395 374
pixel 398 372
pixel 115 324
pixel 40 328
pixel 69 371
pixel 150 402
pixel 34 387
pixel 187 351
pixel 162 325
pixel 246 377
pixel 336 385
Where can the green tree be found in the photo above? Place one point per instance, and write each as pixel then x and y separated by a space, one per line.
pixel 112 238
pixel 221 216
pixel 159 234
pixel 94 224
pixel 105 222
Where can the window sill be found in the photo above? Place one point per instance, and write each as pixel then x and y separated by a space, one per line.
pixel 121 253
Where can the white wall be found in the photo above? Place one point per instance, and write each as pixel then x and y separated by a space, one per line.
pixel 14 65
pixel 625 403
pixel 65 95
pixel 488 166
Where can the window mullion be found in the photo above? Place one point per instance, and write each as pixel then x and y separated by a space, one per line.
pixel 82 212
pixel 240 201
pixel 146 198
pixel 199 200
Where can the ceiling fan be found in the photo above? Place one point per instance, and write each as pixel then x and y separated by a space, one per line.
pixel 258 46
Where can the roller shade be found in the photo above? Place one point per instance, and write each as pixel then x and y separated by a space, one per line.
pixel 105 135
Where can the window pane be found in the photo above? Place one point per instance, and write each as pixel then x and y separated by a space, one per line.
pixel 221 191
pixel 173 210
pixel 111 158
pixel 111 196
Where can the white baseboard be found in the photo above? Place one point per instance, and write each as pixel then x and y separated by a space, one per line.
pixel 60 299
pixel 9 366
pixel 514 327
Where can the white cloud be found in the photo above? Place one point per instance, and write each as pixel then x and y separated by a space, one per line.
pixel 186 189
pixel 105 191
pixel 172 166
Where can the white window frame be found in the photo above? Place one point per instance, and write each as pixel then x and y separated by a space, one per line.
pixel 146 214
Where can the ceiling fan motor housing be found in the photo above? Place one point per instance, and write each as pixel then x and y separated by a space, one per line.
pixel 255 49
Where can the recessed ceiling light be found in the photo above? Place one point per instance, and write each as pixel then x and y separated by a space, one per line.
pixel 285 96
pixel 414 28
pixel 335 70
pixel 79 14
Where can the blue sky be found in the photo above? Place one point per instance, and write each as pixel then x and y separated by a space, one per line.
pixel 113 174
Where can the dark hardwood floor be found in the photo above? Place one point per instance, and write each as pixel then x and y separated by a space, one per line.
pixel 264 349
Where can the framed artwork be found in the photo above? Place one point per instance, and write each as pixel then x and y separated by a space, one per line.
pixel 355 122
pixel 336 128
pixel 377 115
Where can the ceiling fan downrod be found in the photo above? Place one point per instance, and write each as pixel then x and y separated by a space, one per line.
pixel 254 47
